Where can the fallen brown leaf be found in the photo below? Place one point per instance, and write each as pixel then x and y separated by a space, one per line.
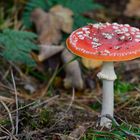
pixel 65 17
pixel 133 8
pixel 49 25
pixel 6 99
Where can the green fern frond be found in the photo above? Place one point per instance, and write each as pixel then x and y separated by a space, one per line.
pixel 80 21
pixel 31 5
pixel 77 6
pixel 17 46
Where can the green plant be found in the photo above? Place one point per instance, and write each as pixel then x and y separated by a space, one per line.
pixel 16 46
pixel 121 132
pixel 79 7
pixel 31 5
pixel 45 116
pixel 122 87
pixel 6 14
pixel 4 122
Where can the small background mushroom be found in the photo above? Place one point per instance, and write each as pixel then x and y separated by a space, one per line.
pixel 49 27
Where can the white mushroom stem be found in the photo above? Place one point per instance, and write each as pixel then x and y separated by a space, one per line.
pixel 108 76
pixel 73 72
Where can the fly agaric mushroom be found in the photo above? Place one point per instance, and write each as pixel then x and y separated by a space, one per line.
pixel 106 42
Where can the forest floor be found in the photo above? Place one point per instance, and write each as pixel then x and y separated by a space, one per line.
pixel 52 112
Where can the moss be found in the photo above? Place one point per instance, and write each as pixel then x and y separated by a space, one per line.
pixel 4 122
pixel 45 116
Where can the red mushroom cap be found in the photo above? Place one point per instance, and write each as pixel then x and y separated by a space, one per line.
pixel 107 42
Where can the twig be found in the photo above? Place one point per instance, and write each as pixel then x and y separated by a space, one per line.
pixel 50 82
pixel 20 108
pixel 17 69
pixel 7 87
pixel 36 103
pixel 16 99
pixel 44 102
pixel 6 99
pixel 4 137
pixel 124 105
pixel 9 135
pixel 138 89
pixel 24 134
pixel 10 116
pixel 72 100
pixel 42 94
pixel 6 131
